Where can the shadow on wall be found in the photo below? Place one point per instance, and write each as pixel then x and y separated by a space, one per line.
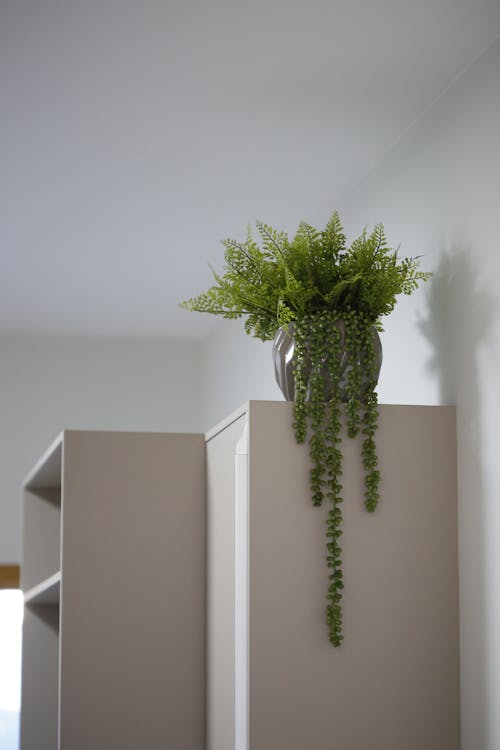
pixel 460 313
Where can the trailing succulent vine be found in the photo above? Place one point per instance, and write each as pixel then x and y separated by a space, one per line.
pixel 319 398
pixel 331 298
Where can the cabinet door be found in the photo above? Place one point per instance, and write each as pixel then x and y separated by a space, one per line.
pixel 394 682
pixel 133 592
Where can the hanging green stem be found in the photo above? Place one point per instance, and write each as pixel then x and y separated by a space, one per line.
pixel 370 421
pixel 317 442
pixel 334 466
pixel 353 347
pixel 300 364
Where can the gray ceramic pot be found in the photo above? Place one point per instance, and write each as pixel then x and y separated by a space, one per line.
pixel 283 358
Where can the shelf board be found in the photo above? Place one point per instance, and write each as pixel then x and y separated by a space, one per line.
pixel 46 592
pixel 47 472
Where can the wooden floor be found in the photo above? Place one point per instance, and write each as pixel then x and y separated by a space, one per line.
pixel 9 576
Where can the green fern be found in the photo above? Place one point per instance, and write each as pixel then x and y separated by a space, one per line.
pixel 286 279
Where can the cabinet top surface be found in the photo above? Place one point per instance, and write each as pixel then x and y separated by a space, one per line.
pixel 47 471
pixel 247 408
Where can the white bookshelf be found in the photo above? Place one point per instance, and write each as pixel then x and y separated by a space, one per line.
pixel 113 575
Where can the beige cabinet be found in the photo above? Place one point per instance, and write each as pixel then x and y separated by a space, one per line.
pixel 274 681
pixel 114 582
pixel 175 592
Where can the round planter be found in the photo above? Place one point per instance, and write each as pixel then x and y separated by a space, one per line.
pixel 283 358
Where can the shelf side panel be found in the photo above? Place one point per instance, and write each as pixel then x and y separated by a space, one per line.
pixel 394 682
pixel 40 678
pixel 133 592
pixel 221 450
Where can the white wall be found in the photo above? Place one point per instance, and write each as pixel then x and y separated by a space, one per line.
pixel 48 384
pixel 438 194
pixel 236 369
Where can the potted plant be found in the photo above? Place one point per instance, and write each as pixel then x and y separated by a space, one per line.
pixel 322 303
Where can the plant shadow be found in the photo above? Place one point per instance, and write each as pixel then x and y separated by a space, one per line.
pixel 460 313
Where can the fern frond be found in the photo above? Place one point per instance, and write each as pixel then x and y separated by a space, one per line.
pixel 274 243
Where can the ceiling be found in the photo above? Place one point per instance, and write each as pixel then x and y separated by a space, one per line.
pixel 135 136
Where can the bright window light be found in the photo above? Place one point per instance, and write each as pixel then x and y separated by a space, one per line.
pixel 11 620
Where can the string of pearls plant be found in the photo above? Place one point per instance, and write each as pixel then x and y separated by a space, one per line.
pixel 318 396
pixel 332 297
